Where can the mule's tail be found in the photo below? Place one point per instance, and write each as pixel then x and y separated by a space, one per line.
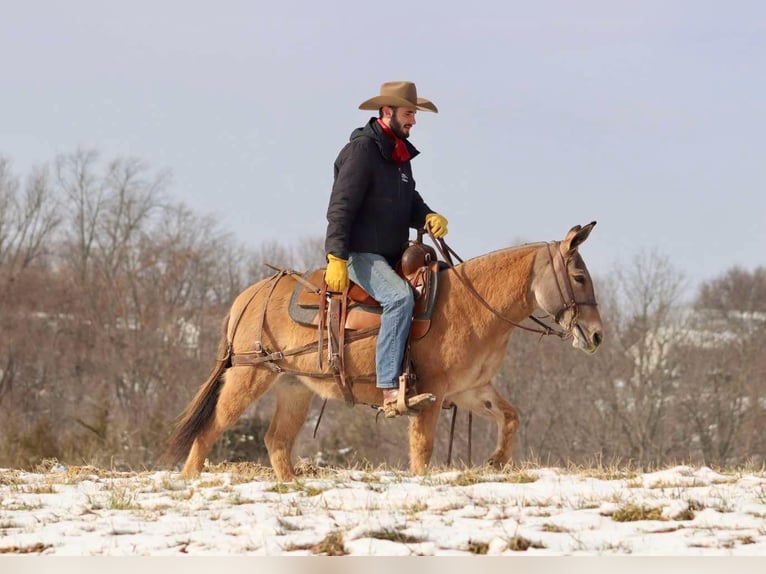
pixel 198 413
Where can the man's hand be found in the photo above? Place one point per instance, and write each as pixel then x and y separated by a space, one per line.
pixel 437 224
pixel 336 274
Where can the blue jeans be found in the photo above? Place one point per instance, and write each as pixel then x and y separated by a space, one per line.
pixel 395 295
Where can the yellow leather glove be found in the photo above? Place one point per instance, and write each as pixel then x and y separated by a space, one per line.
pixel 336 274
pixel 437 224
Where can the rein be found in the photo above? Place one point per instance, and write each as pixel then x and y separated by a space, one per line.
pixel 446 252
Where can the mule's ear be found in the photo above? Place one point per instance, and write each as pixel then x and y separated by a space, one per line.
pixel 576 236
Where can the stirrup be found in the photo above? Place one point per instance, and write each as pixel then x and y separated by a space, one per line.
pixel 409 406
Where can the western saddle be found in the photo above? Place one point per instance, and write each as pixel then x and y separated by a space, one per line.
pixel 355 309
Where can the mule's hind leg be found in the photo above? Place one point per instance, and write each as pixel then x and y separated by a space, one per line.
pixel 241 387
pixel 292 403
pixel 486 402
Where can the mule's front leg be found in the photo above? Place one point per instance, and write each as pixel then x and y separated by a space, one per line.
pixel 422 431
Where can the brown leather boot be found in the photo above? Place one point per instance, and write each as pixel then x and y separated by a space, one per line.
pixel 395 405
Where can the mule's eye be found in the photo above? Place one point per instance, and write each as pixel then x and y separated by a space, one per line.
pixel 580 279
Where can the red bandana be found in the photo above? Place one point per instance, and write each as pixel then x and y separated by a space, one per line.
pixel 401 153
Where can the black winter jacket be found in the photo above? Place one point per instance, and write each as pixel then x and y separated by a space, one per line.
pixel 373 201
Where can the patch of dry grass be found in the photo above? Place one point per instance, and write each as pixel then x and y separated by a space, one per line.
pixel 296 486
pixel 550 527
pixel 31 549
pixel 689 513
pixel 393 535
pixel 664 485
pixel 182 494
pixel 636 512
pixel 121 498
pixel 477 547
pixel 10 478
pixel 46 488
pixel 481 475
pixel 330 545
pixel 286 525
pixel 416 507
pixel 236 499
pixel 79 473
pixel 600 472
pixel 520 544
pixel 242 472
pixel 23 506
pixel 746 540
pixel 216 482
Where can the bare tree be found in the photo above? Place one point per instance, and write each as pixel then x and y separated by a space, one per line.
pixel 28 221
pixel 9 191
pixel 650 324
pixel 84 197
pixel 28 218
pixel 736 290
pixel 272 253
pixel 231 272
pixel 723 387
pixel 310 254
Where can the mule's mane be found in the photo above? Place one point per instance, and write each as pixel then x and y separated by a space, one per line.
pixel 501 278
pixel 526 247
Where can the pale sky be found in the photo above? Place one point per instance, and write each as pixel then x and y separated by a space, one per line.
pixel 649 117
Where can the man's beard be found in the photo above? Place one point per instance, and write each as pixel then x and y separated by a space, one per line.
pixel 398 128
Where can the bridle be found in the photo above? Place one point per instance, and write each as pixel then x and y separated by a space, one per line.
pixel 567 295
pixel 568 299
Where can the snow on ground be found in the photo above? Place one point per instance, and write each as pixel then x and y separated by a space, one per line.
pixel 242 510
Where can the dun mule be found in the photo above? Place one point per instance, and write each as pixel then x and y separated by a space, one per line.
pixel 471 325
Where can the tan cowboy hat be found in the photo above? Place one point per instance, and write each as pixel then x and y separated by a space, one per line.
pixel 398 94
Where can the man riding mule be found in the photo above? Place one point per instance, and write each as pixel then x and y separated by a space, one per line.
pixel 479 304
pixel 372 206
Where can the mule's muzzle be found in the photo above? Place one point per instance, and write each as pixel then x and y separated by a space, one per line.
pixel 586 341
